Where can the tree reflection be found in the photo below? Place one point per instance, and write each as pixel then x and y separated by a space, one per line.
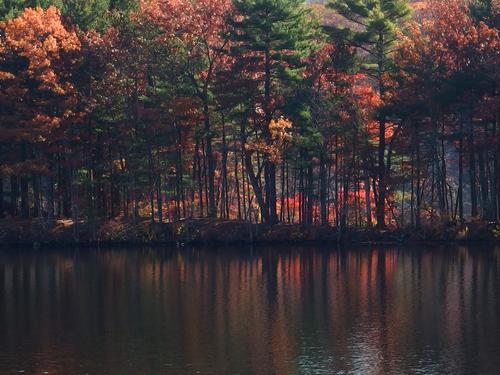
pixel 282 311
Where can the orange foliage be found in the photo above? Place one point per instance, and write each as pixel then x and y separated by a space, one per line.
pixel 37 56
pixel 279 131
pixel 40 37
pixel 197 23
pixel 448 40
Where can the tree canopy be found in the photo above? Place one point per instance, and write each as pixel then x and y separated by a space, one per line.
pixel 352 114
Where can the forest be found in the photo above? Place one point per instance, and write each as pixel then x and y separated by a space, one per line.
pixel 343 113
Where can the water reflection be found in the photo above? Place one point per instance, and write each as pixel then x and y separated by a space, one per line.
pixel 265 311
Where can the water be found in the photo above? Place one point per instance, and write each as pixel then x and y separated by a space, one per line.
pixel 242 311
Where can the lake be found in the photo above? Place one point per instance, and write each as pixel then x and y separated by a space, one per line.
pixel 266 310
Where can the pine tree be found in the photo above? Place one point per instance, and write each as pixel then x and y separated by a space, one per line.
pixel 96 14
pixel 272 37
pixel 487 11
pixel 372 27
pixel 87 14
pixel 13 8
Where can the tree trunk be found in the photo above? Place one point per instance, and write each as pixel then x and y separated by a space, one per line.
pixel 380 209
pixel 472 170
pixel 460 193
pixel 224 185
pixel 368 201
pixel 36 196
pixel 1 197
pixel 419 195
pixel 254 181
pixel 442 178
pixel 237 182
pixel 50 199
pixel 197 163
pixel 269 166
pixel 323 191
pixel 310 195
pixel 210 158
pixel 159 199
pixel 496 179
pixel 485 202
pixel 25 209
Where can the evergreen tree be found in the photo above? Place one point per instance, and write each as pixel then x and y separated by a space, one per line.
pixel 372 27
pixel 87 14
pixel 487 11
pixel 272 37
pixel 97 14
pixel 124 6
pixel 13 8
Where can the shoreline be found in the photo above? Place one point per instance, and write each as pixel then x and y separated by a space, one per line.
pixel 124 232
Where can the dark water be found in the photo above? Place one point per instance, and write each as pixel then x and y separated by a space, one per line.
pixel 242 311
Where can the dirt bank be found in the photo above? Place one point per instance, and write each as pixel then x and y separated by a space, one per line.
pixel 39 232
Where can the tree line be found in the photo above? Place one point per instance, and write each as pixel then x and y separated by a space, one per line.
pixel 359 113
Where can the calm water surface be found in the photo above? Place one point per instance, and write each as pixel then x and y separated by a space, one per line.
pixel 242 311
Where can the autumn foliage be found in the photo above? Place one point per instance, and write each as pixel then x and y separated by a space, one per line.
pixel 252 110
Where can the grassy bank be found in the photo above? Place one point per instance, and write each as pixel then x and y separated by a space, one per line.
pixel 208 231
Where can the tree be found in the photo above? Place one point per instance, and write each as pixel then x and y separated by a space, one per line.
pixel 487 11
pixel 96 14
pixel 13 8
pixel 89 14
pixel 201 27
pixel 38 98
pixel 450 69
pixel 372 27
pixel 270 40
